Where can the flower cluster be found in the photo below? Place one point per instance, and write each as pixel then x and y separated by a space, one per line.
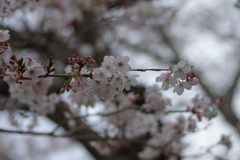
pixel 167 141
pixel 182 78
pixel 134 120
pixel 23 67
pixel 103 82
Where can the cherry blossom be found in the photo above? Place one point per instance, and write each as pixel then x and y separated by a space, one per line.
pixel 180 70
pixel 34 72
pixel 119 81
pixel 167 80
pixel 100 74
pixel 179 89
pixel 109 65
pixel 131 81
pixel 95 87
pixel 122 63
pixel 30 63
pixel 12 77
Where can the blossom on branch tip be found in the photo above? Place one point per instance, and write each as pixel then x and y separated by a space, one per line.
pixel 180 70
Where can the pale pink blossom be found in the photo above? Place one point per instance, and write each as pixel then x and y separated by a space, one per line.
pixel 30 63
pixel 12 77
pixel 34 72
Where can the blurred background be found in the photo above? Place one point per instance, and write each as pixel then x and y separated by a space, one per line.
pixel 153 33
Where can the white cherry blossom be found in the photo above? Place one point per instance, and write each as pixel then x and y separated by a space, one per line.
pixel 122 64
pixel 12 77
pixel 180 70
pixel 181 86
pixel 109 64
pixel 167 80
pixel 99 74
pixel 109 92
pixel 95 87
pixel 119 81
pixel 131 81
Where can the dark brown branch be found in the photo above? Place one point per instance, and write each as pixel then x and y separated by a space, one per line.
pixel 86 137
